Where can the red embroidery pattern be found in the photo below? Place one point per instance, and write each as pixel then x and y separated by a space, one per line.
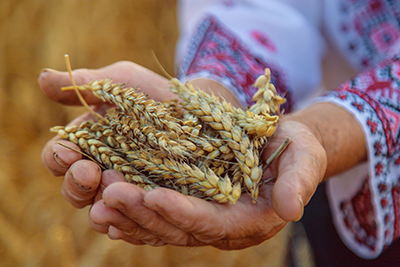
pixel 369 29
pixel 380 88
pixel 264 40
pixel 396 204
pixel 219 52
pixel 374 95
pixel 358 216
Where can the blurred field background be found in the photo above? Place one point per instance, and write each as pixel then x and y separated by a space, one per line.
pixel 37 227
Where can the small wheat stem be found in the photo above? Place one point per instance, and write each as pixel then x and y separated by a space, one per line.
pixel 81 99
pixel 277 153
pixel 163 70
pixel 82 153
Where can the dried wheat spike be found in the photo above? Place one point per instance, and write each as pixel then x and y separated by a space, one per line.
pixel 174 108
pixel 148 136
pixel 207 148
pixel 204 106
pixel 106 156
pixel 126 124
pixel 259 125
pixel 266 98
pixel 114 159
pixel 204 180
pixel 133 103
pixel 260 119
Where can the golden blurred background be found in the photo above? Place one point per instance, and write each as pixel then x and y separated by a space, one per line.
pixel 37 226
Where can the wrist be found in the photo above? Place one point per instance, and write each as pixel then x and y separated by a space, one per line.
pixel 338 132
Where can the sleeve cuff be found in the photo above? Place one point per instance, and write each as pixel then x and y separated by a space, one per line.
pixel 364 202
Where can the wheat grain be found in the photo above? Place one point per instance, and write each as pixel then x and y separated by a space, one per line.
pixel 205 148
pixel 132 103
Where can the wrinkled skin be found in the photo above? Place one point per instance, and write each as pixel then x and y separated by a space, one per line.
pixel 162 216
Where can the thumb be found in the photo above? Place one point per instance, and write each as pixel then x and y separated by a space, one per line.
pixel 300 170
pixel 288 195
pixel 294 188
pixel 133 75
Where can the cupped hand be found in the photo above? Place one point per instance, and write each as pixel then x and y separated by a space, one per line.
pixel 163 216
pixel 82 178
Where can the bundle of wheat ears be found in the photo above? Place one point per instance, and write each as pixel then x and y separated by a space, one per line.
pixel 202 147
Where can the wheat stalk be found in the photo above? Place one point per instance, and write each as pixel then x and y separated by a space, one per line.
pixel 204 147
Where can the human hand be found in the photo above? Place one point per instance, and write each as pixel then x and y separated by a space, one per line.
pixel 326 140
pixel 163 216
pixel 81 185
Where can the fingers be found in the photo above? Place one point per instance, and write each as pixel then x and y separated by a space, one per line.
pixel 224 226
pixel 163 216
pixel 204 220
pixel 114 234
pixel 133 75
pixel 128 199
pixel 111 176
pixel 288 200
pixel 84 183
pixel 51 82
pixel 81 183
pixel 57 158
pixel 102 217
pixel 108 177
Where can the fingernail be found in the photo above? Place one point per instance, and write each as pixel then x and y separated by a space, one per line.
pixel 148 205
pixel 117 205
pixel 100 224
pixel 102 187
pixel 301 209
pixel 46 70
pixel 59 161
pixel 113 237
pixel 113 233
pixel 160 243
pixel 154 243
pixel 86 188
pixel 151 206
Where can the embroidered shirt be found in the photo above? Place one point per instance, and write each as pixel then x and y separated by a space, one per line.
pixel 233 41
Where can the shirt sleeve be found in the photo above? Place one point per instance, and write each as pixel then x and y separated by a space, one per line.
pixel 232 42
pixel 365 200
